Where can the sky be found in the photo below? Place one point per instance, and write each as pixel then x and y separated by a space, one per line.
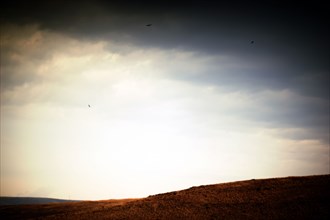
pixel 95 104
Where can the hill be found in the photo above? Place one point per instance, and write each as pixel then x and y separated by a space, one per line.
pixel 279 198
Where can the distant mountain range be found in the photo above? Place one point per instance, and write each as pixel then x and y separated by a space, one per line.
pixel 6 200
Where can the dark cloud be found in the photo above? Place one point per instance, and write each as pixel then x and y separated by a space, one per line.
pixel 290 50
pixel 312 114
pixel 293 38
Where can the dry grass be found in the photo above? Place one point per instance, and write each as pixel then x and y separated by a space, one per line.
pixel 280 198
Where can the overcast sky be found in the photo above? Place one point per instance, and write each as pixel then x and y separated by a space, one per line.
pixel 207 93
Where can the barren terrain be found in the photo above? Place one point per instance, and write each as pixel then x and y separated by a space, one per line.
pixel 279 198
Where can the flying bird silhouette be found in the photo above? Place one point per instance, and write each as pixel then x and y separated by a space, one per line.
pixel 148 25
pixel 252 42
pixel 89 106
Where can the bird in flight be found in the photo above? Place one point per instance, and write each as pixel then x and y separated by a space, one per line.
pixel 89 106
pixel 148 25
pixel 252 42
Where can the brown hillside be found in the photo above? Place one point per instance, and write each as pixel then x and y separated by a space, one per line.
pixel 280 198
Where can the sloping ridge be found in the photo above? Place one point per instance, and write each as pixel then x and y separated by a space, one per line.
pixel 278 198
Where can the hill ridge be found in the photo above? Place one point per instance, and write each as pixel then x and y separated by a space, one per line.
pixel 306 197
